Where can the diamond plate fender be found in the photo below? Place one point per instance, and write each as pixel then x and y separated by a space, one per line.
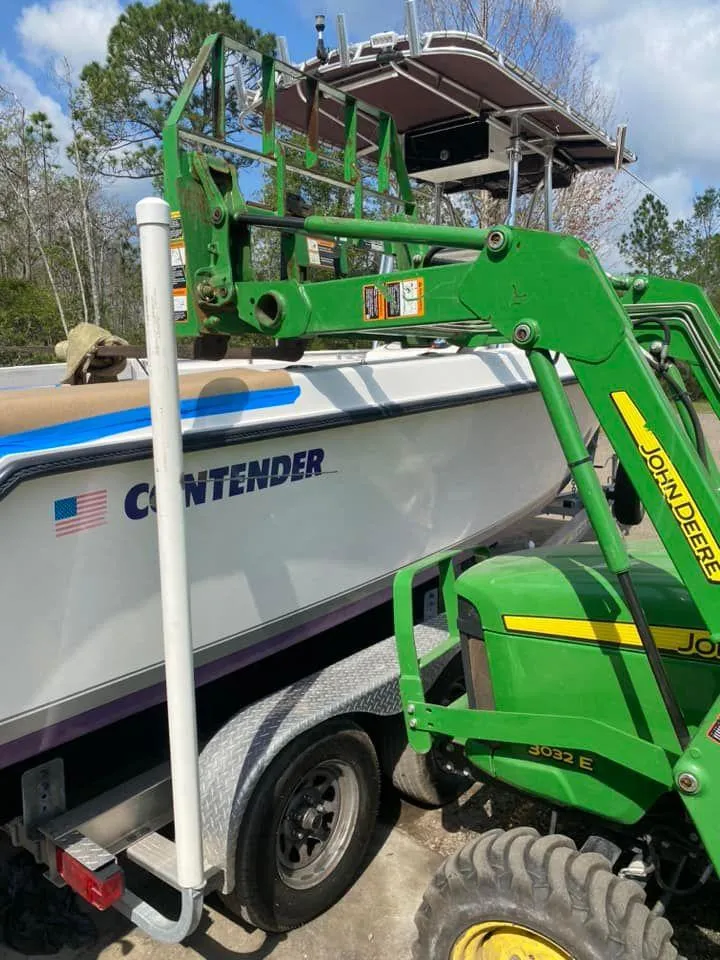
pixel 233 761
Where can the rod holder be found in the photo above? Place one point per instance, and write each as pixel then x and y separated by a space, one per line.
pixel 413 29
pixel 343 46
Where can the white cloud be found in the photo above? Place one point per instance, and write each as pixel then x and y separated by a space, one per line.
pixel 22 85
pixel 675 190
pixel 661 58
pixel 75 30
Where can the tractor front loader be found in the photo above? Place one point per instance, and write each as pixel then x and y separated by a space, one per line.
pixel 592 672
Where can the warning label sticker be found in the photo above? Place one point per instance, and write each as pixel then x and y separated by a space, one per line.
pixel 714 731
pixel 177 262
pixel 393 300
pixel 322 253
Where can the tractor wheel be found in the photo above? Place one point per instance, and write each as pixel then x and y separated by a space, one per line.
pixel 516 895
pixel 307 828
pixel 422 777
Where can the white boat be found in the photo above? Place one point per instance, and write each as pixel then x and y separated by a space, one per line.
pixel 308 484
pixel 307 487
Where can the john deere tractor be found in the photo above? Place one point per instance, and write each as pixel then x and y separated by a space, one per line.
pixel 592 672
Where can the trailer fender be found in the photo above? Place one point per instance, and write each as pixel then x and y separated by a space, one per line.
pixel 233 761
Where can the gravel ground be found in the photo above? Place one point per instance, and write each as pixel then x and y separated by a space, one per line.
pixel 696 920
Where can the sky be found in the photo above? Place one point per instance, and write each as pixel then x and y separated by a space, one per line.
pixel 659 58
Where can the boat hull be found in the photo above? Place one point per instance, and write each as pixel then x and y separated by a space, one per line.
pixel 291 527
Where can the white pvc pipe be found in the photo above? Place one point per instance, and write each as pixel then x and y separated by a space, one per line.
pixel 153 218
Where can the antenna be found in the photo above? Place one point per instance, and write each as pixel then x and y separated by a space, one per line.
pixel 413 30
pixel 321 49
pixel 343 48
pixel 283 50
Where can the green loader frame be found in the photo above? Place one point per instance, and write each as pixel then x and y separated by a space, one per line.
pixel 544 292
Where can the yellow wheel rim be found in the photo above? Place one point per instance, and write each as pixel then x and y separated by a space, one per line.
pixel 505 941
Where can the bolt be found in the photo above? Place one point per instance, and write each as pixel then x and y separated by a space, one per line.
pixel 466 772
pixel 411 708
pixel 413 724
pixel 449 767
pixel 217 215
pixel 449 747
pixel 688 783
pixel 640 285
pixel 496 240
pixel 522 333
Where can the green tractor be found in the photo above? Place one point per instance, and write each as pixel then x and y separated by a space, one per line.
pixel 592 672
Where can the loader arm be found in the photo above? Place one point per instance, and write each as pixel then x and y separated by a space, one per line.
pixel 545 292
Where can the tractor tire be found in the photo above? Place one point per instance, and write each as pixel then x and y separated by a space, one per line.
pixel 421 777
pixel 307 828
pixel 517 894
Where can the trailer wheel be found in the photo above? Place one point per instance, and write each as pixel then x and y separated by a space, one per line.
pixel 423 777
pixel 518 895
pixel 307 828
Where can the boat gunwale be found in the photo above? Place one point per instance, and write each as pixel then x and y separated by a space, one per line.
pixel 21 468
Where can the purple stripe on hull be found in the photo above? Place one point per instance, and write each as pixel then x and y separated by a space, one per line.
pixel 55 734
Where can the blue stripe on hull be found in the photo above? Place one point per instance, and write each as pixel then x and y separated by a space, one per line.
pixel 122 421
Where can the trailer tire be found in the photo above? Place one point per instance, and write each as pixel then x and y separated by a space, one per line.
pixel 421 777
pixel 535 896
pixel 284 874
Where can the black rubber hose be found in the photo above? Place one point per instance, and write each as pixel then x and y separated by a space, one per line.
pixel 684 397
pixel 430 255
pixel 654 659
pixel 656 321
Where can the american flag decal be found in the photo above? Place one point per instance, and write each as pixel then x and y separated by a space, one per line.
pixel 82 512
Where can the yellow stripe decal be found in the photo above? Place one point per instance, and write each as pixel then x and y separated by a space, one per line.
pixel 670 484
pixel 680 640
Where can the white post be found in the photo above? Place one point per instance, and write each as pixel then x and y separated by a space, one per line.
pixel 549 191
pixel 153 218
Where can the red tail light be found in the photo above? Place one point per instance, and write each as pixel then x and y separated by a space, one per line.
pixel 99 888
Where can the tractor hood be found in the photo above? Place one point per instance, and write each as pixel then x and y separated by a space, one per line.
pixel 569 592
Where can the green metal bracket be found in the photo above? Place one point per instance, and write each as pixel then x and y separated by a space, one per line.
pixel 573 733
pixel 411 685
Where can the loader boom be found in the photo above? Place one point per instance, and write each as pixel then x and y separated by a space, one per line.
pixel 547 293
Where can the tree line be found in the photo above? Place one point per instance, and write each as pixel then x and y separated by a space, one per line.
pixel 68 250
pixel 688 248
